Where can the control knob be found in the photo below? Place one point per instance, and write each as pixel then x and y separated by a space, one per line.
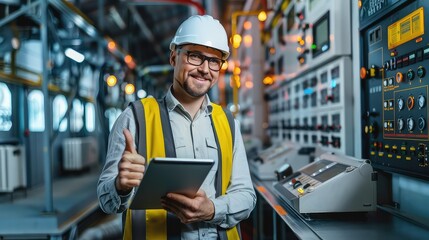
pixel 410 102
pixel 410 75
pixel 410 124
pixel 400 104
pixel 400 124
pixel 421 101
pixel 421 123
pixel 399 77
pixel 421 72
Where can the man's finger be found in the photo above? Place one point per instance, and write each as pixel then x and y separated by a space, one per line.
pixel 129 141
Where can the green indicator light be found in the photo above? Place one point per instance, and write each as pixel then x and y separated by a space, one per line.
pixel 313 46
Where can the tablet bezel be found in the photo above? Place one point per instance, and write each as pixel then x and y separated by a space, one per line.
pixel 164 175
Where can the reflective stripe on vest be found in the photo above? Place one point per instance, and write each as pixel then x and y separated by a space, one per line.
pixel 222 131
pixel 154 130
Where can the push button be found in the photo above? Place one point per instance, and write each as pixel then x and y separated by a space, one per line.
pixel 421 72
pixel 297 184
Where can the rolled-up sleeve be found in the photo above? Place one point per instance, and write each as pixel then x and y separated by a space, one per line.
pixel 240 198
pixel 109 199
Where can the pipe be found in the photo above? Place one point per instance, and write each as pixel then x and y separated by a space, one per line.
pixel 155 69
pixel 46 149
pixel 18 13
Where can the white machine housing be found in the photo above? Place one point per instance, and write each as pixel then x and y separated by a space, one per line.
pixel 334 183
pixel 272 158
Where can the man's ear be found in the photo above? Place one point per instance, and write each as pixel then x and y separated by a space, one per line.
pixel 173 58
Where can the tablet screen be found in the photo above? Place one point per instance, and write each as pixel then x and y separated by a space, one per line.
pixel 165 175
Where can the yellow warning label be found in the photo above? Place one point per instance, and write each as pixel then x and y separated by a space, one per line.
pixel 406 29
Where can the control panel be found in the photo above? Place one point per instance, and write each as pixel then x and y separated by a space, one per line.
pixel 334 183
pixel 267 161
pixel 311 109
pixel 395 85
pixel 310 54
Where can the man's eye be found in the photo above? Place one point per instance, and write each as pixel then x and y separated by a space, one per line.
pixel 195 56
pixel 215 61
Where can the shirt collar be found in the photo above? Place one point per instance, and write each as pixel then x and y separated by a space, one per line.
pixel 172 103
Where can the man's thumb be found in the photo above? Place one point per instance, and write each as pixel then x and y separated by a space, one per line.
pixel 129 141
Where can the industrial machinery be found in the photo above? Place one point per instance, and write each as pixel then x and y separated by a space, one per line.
pixel 268 161
pixel 334 183
pixel 313 68
pixel 395 85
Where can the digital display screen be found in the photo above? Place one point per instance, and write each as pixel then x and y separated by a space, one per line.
pixel 321 35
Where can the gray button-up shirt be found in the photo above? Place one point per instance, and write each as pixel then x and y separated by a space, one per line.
pixel 193 139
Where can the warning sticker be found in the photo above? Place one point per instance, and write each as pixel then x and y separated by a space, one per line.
pixel 406 29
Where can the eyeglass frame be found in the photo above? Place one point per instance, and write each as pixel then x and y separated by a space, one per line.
pixel 203 57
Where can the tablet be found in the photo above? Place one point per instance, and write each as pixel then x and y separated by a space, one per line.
pixel 165 175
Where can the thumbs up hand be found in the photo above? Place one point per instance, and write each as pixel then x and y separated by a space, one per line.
pixel 131 166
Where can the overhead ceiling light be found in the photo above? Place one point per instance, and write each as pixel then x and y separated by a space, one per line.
pixel 74 55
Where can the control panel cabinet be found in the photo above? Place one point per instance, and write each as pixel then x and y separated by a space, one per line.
pixel 395 83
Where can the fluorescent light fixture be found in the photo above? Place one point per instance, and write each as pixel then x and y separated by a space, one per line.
pixel 117 18
pixel 74 55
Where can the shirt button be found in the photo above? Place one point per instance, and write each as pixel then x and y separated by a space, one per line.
pixel 204 234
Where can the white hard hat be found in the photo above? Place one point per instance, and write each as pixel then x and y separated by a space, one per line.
pixel 202 30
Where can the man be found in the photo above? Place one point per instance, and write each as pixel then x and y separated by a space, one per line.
pixel 199 129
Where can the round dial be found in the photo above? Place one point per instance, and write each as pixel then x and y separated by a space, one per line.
pixel 410 124
pixel 410 75
pixel 421 72
pixel 386 124
pixel 400 104
pixel 385 83
pixel 421 101
pixel 391 81
pixel 422 123
pixel 399 77
pixel 385 104
pixel 410 102
pixel 400 124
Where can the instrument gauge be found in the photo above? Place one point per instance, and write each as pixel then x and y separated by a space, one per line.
pixel 410 102
pixel 410 75
pixel 422 123
pixel 410 124
pixel 421 101
pixel 400 124
pixel 400 104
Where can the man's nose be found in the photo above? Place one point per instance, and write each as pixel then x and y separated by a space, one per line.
pixel 205 66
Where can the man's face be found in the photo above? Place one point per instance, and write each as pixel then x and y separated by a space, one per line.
pixel 189 79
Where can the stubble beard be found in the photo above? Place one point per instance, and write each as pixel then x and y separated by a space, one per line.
pixel 194 91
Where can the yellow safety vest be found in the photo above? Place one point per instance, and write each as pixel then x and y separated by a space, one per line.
pixel 155 139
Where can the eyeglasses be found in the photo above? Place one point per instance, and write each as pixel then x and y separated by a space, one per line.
pixel 196 59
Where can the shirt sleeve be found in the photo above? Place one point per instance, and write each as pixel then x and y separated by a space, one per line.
pixel 240 198
pixel 109 199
